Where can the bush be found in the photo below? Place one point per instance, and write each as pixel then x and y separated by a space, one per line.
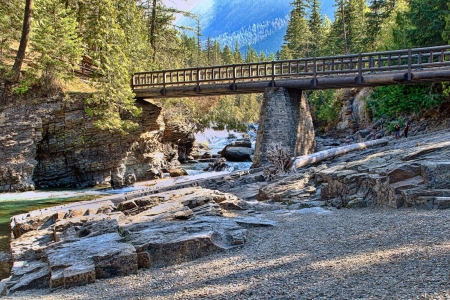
pixel 325 106
pixel 393 100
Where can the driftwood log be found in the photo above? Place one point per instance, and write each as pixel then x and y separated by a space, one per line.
pixel 305 160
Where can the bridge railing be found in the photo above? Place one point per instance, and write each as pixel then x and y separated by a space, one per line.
pixel 359 64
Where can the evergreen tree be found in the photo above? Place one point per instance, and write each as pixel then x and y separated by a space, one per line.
pixel 15 71
pixel 227 55
pixel 315 27
pixel 217 54
pixel 262 56
pixel 252 55
pixel 132 20
pixel 209 51
pixel 348 30
pixel 188 51
pixel 297 39
pixel 55 39
pixel 426 22
pixel 237 54
pixel 357 10
pixel 380 11
pixel 114 97
pixel 11 14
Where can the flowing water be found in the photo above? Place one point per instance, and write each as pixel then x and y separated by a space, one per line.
pixel 18 203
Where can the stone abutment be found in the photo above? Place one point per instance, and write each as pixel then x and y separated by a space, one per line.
pixel 286 119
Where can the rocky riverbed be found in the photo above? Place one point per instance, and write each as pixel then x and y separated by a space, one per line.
pixel 198 239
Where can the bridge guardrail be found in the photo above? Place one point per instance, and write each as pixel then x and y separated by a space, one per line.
pixel 360 64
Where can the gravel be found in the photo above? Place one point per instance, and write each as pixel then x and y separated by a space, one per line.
pixel 346 254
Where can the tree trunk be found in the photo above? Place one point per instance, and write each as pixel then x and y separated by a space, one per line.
pixel 23 42
pixel 152 31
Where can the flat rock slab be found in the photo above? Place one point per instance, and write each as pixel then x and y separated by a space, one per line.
pixel 79 244
pixel 168 243
pixel 83 261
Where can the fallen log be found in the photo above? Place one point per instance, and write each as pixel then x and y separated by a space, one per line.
pixel 305 160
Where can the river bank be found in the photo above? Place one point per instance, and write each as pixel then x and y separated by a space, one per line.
pixel 344 254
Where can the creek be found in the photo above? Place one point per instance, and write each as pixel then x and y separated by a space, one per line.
pixel 18 203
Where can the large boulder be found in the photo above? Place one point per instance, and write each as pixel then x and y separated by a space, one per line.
pixel 178 172
pixel 238 154
pixel 238 151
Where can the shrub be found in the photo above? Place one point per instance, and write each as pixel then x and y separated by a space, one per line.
pixel 393 100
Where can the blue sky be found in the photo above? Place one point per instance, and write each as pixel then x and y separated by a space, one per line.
pixel 185 5
pixel 182 4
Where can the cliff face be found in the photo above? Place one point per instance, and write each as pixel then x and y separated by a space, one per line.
pixel 46 143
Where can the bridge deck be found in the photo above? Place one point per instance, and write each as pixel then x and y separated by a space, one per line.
pixel 408 66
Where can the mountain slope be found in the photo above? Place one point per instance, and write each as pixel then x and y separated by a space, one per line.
pixel 258 23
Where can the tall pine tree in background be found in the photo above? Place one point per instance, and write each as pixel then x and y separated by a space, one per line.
pixel 227 55
pixel 426 22
pixel 238 59
pixel 11 14
pixel 106 42
pixel 379 12
pixel 55 40
pixel 297 41
pixel 356 24
pixel 316 28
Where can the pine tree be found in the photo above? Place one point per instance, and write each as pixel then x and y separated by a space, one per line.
pixel 380 10
pixel 356 12
pixel 105 40
pixel 237 54
pixel 11 14
pixel 315 27
pixel 15 71
pixel 427 21
pixel 217 54
pixel 298 35
pixel 252 55
pixel 227 55
pixel 348 30
pixel 55 39
pixel 262 56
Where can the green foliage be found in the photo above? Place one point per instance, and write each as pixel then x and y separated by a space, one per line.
pixel 393 100
pixel 112 48
pixel 235 112
pixel 325 105
pixel 55 39
pixel 225 112
pixel 298 34
pixel 11 14
pixel 22 88
pixel 426 22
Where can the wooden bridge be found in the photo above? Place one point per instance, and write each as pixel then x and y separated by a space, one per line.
pixel 408 66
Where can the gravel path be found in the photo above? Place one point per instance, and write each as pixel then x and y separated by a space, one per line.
pixel 348 254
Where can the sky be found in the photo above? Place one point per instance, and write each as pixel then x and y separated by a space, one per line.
pixel 186 5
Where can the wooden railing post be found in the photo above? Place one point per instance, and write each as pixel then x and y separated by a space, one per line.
pixel 272 83
pixel 197 88
pixel 409 74
pixel 314 82
pixel 163 91
pixel 360 77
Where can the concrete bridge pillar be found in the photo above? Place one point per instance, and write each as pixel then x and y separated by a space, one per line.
pixel 285 118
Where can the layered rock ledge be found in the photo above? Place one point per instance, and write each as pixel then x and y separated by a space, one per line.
pixel 77 244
